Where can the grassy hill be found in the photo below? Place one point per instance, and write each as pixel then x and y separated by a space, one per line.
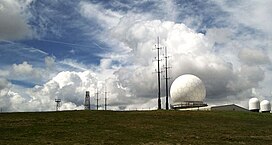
pixel 136 127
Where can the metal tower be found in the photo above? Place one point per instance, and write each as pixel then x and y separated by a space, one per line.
pixel 159 73
pixel 58 101
pixel 87 103
pixel 166 80
pixel 105 97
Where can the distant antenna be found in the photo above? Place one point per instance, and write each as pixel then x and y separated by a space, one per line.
pixel 96 99
pixel 159 73
pixel 87 103
pixel 58 101
pixel 166 80
pixel 106 96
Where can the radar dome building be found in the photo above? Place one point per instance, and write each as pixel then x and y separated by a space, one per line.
pixel 254 105
pixel 265 106
pixel 187 91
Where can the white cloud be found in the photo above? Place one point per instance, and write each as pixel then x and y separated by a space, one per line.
pixel 71 106
pixel 68 86
pixel 191 53
pixel 106 17
pixel 14 20
pixel 12 101
pixel 219 35
pixel 250 22
pixel 22 69
pixel 229 70
pixel 26 71
pixel 50 62
pixel 254 56
pixel 73 64
pixel 17 101
pixel 3 83
pixel 105 63
pixel 252 13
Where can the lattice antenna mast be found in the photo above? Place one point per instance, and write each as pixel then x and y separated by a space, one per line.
pixel 97 98
pixel 166 79
pixel 87 103
pixel 58 104
pixel 159 72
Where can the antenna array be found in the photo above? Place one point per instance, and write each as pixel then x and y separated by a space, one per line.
pixel 158 72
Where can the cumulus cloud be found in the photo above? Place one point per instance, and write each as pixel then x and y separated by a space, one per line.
pixel 254 56
pixel 25 71
pixel 222 58
pixel 50 62
pixel 68 86
pixel 14 21
pixel 22 69
pixel 219 35
pixel 244 12
pixel 8 98
pixel 70 106
pixel 191 52
pixel 3 83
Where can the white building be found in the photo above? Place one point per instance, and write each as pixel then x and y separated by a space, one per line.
pixel 265 106
pixel 229 107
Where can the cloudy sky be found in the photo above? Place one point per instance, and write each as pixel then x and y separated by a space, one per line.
pixel 60 49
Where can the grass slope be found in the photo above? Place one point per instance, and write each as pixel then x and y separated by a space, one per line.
pixel 137 127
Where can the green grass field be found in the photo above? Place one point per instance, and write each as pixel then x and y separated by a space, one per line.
pixel 136 127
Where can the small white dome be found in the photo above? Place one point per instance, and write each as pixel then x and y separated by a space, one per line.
pixel 265 106
pixel 254 104
pixel 187 88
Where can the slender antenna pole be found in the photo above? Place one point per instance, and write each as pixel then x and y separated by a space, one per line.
pixel 159 77
pixel 166 80
pixel 106 96
pixel 96 99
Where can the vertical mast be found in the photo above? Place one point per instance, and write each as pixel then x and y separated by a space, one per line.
pixel 105 97
pixel 166 80
pixel 96 99
pixel 159 77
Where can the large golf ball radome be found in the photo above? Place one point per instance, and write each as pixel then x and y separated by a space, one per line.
pixel 187 88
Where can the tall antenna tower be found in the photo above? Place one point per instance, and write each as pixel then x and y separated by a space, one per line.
pixel 87 103
pixel 96 99
pixel 166 79
pixel 159 73
pixel 58 101
pixel 106 96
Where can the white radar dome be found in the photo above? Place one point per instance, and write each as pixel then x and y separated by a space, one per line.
pixel 254 104
pixel 187 88
pixel 265 106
